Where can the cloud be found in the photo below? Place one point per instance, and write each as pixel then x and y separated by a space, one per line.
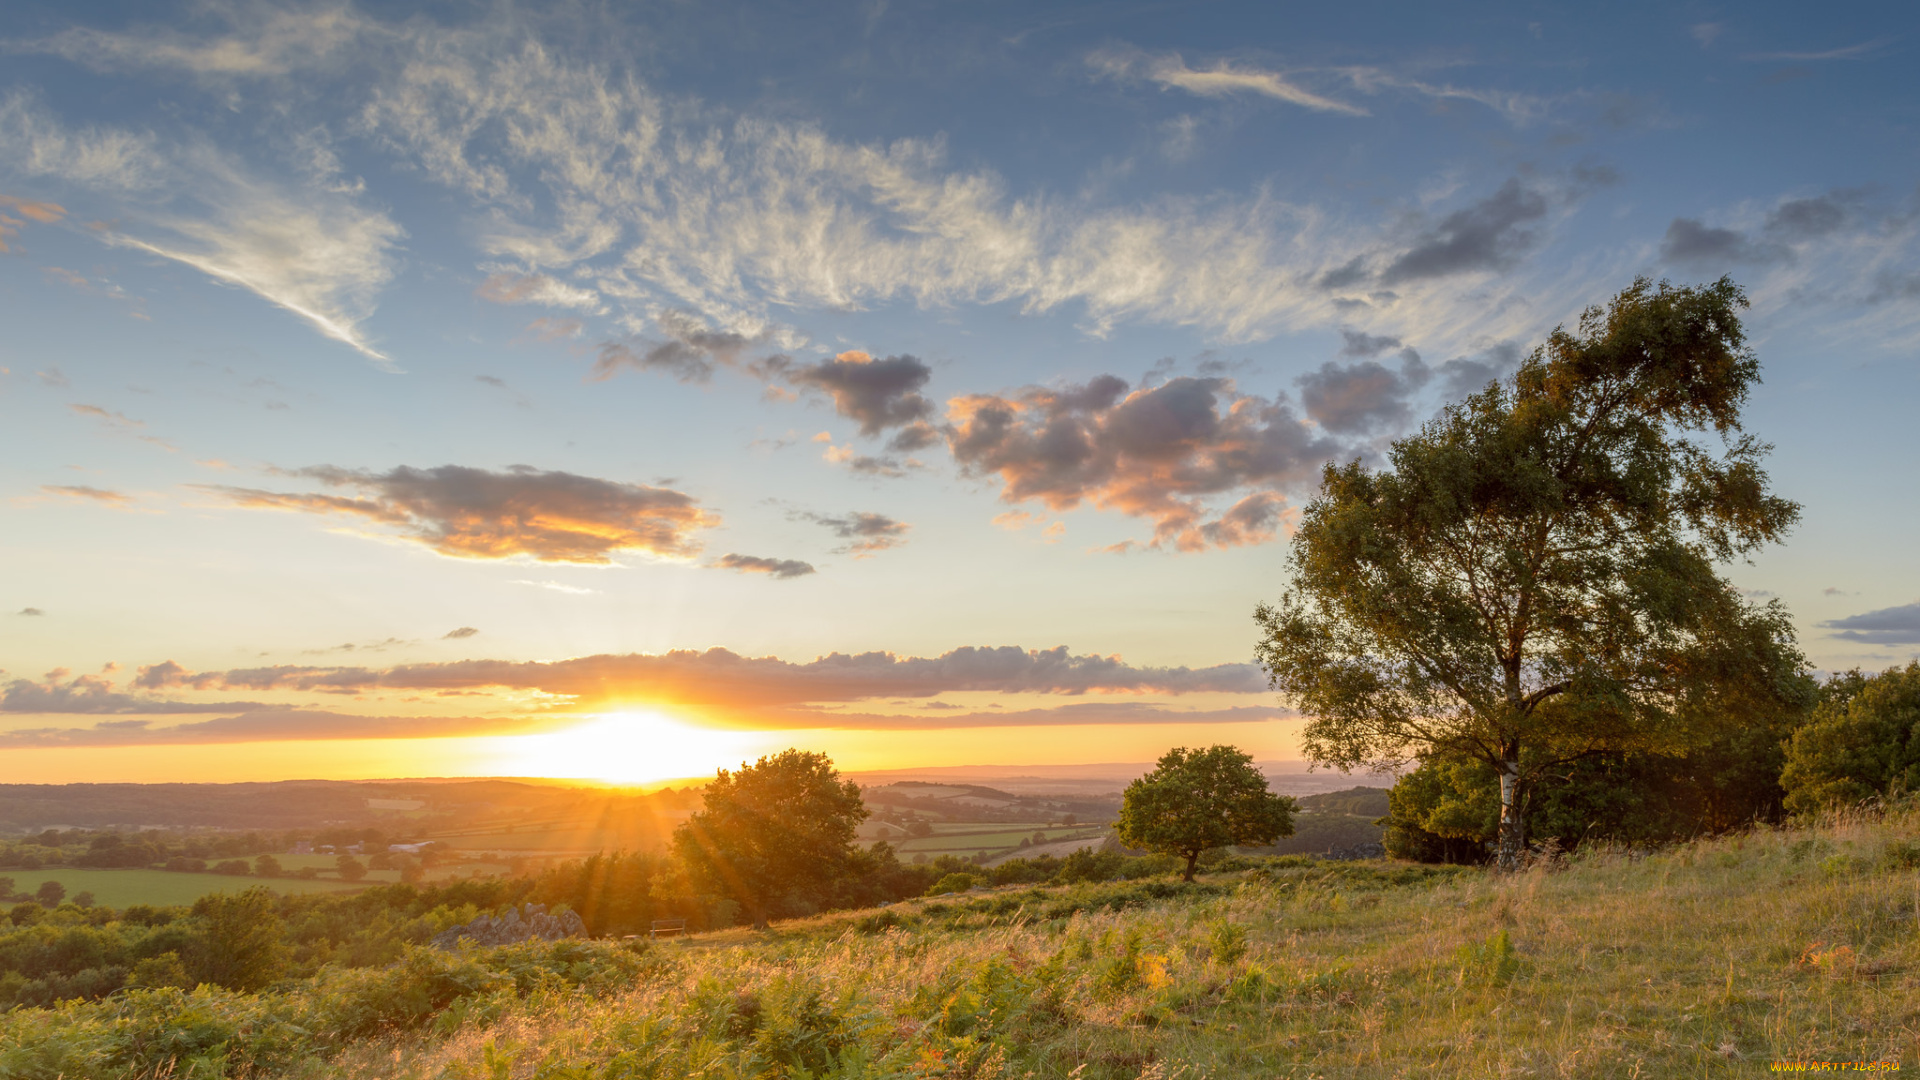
pixel 775 568
pixel 1156 453
pixel 1488 235
pixel 560 587
pixel 880 394
pixel 120 423
pixel 1706 33
pixel 45 213
pixel 865 533
pixel 458 634
pixel 1845 52
pixel 308 247
pixel 267 41
pixel 1365 397
pixel 1221 80
pixel 584 172
pixel 690 352
pixel 477 514
pixel 509 288
pixel 1887 626
pixel 720 677
pixel 59 691
pixel 94 494
pixel 1690 242
pixel 546 329
pixel 1790 229
pixel 1464 375
pixel 30 611
pixel 269 725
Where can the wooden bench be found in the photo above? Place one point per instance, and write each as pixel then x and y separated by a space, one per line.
pixel 667 928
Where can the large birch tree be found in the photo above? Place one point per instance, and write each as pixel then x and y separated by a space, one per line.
pixel 1534 577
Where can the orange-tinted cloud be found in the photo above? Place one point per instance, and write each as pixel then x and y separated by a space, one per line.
pixel 476 514
pixel 724 678
pixel 45 213
pixel 94 494
pixel 1160 453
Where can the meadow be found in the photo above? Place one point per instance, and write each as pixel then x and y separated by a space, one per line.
pixel 1714 958
pixel 161 888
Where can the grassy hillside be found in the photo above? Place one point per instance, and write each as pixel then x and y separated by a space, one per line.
pixel 1712 959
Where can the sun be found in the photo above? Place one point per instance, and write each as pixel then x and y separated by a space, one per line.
pixel 627 747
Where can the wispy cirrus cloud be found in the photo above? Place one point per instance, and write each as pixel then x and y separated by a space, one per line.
pixel 1859 51
pixel 308 245
pixel 477 514
pixel 1221 79
pixel 84 492
pixel 591 187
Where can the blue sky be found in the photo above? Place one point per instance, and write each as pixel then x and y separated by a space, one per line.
pixel 758 328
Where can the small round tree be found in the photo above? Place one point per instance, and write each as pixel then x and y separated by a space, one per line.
pixel 1194 800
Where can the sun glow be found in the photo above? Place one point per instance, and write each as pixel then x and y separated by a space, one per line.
pixel 630 747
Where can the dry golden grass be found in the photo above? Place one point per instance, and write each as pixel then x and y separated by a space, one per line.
pixel 1713 959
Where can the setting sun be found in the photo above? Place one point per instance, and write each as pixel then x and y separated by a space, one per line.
pixel 628 747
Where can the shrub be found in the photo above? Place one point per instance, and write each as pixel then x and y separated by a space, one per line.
pixel 952 883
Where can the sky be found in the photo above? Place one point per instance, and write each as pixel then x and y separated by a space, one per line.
pixel 623 391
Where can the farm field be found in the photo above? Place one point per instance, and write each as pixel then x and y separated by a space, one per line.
pixel 162 888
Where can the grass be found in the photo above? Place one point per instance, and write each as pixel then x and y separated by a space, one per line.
pixel 1712 959
pixel 121 888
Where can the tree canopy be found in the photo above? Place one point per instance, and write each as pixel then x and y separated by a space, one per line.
pixel 775 837
pixel 1532 579
pixel 1195 800
pixel 1862 740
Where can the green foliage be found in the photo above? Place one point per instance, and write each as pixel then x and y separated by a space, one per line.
pixel 1489 963
pixel 1195 800
pixel 1533 581
pixel 1227 942
pixel 1448 809
pixel 240 945
pixel 1862 740
pixel 774 837
pixel 951 883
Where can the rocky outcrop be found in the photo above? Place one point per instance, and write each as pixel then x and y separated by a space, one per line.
pixel 522 924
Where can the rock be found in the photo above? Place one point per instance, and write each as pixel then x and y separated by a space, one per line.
pixel 516 925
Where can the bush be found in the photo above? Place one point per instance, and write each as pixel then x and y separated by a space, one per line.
pixel 1862 740
pixel 952 883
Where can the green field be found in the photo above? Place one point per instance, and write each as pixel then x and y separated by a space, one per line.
pixel 963 838
pixel 119 888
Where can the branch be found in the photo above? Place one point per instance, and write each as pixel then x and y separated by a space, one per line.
pixel 1532 700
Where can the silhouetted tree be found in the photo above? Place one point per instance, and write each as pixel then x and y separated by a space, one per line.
pixel 775 837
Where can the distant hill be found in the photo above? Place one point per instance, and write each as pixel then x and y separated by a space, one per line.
pixel 1368 802
pixel 303 804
